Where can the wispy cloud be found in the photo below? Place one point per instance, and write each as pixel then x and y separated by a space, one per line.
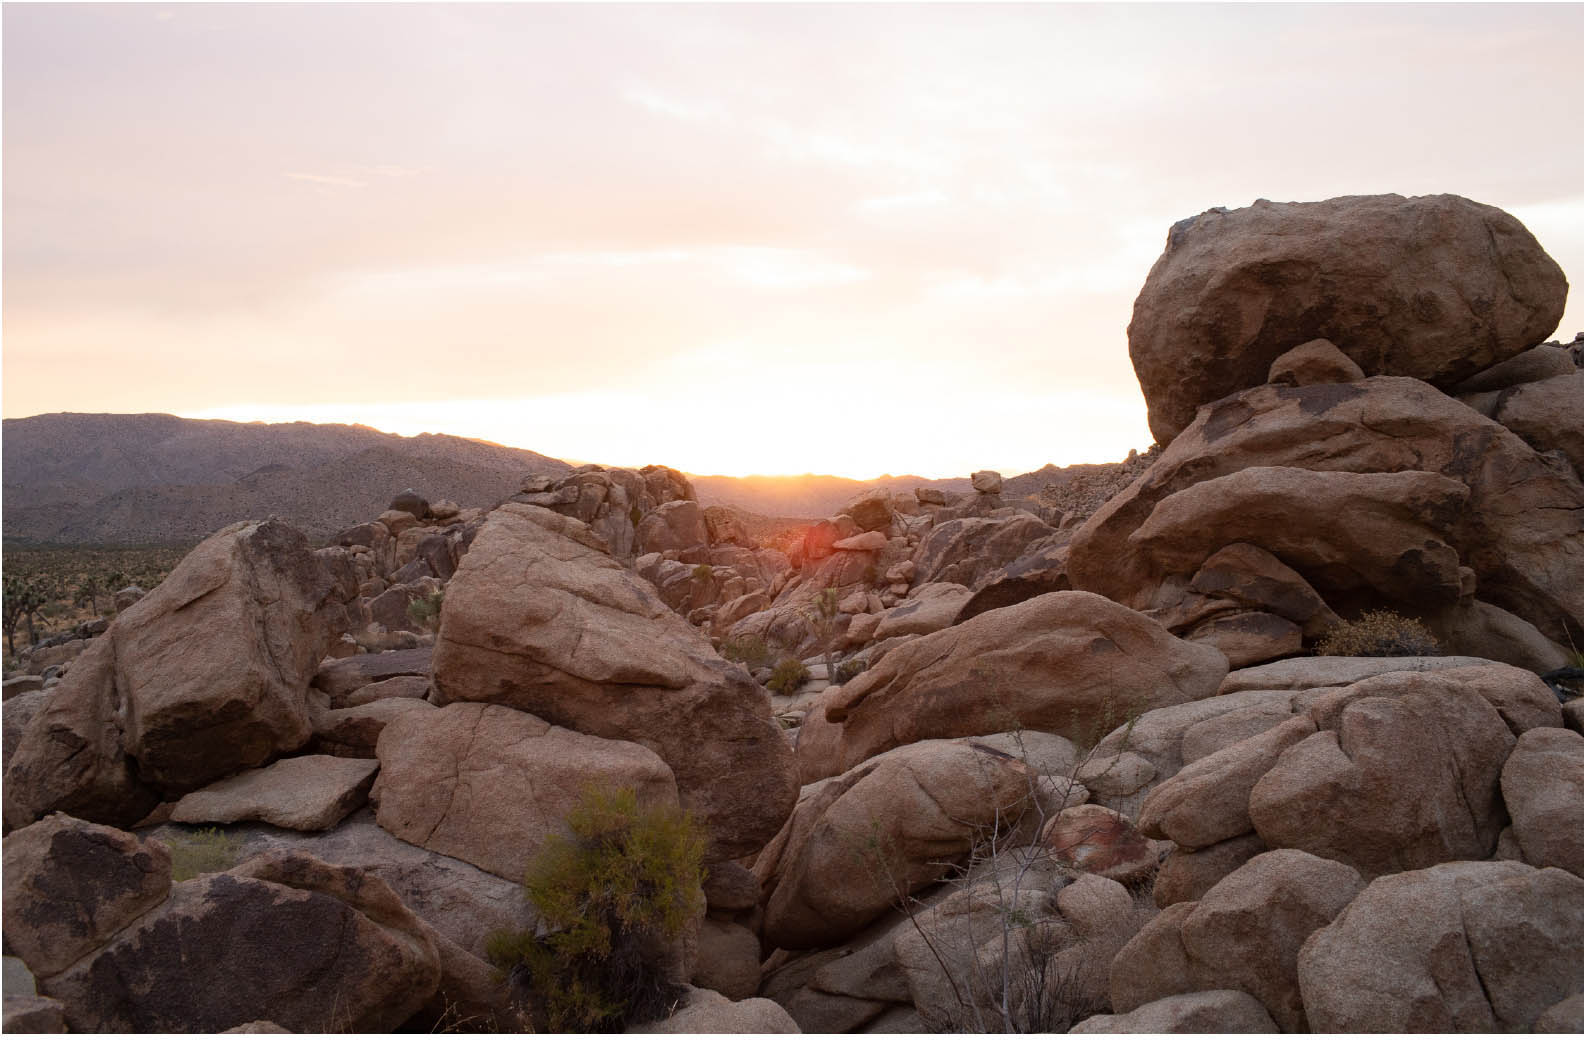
pixel 327 180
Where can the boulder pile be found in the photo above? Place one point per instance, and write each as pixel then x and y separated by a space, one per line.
pixel 1016 758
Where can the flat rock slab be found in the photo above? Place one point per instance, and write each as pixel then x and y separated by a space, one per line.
pixel 462 902
pixel 341 678
pixel 308 793
pixel 1309 673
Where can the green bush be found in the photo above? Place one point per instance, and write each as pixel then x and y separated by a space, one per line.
pixel 788 676
pixel 1379 633
pixel 203 851
pixel 749 651
pixel 425 610
pixel 613 898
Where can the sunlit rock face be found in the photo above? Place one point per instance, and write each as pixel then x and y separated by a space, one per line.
pixel 541 618
pixel 1436 287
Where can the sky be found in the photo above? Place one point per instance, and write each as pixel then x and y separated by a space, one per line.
pixel 831 238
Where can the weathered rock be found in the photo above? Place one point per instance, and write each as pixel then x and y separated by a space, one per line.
pixel 1246 932
pixel 1394 545
pixel 21 684
pixel 410 502
pixel 1318 361
pixel 964 550
pixel 1533 365
pixel 871 510
pixel 1459 947
pixel 1566 1016
pixel 1064 663
pixel 729 886
pixel 1308 673
pixel 1244 577
pixel 986 482
pixel 308 793
pixel 1474 628
pixel 1095 840
pixel 1187 874
pixel 541 619
pixel 33 1014
pixel 312 947
pixel 343 679
pixel 488 784
pixel 1040 569
pixel 1339 793
pixel 206 675
pixel 71 885
pixel 463 903
pixel 18 712
pixel 1208 802
pixel 354 732
pixel 1542 784
pixel 672 525
pixel 1434 287
pixel 1518 529
pixel 400 686
pixel 869 541
pixel 889 826
pixel 728 960
pixel 930 608
pixel 929 496
pixel 705 1011
pixel 1546 415
pixel 1209 1011
pixel 1249 637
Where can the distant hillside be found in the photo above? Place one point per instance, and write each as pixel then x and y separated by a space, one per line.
pixel 159 479
pixel 810 496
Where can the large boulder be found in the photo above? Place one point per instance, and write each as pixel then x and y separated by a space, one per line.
pixel 540 618
pixel 1546 415
pixel 1245 934
pixel 1459 947
pixel 1339 793
pixel 462 903
pixel 1069 663
pixel 1208 1011
pixel 703 1011
pixel 489 784
pixel 311 947
pixel 886 828
pixel 966 549
pixel 1434 287
pixel 206 675
pixel 1517 529
pixel 1543 786
pixel 71 885
pixel 672 525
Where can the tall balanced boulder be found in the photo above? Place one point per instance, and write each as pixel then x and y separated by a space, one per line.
pixel 206 675
pixel 539 617
pixel 1070 663
pixel 1435 287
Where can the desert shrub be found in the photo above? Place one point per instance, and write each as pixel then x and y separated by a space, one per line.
pixel 203 851
pixel 425 610
pixel 749 651
pixel 850 669
pixel 613 897
pixel 789 674
pixel 703 572
pixel 1379 633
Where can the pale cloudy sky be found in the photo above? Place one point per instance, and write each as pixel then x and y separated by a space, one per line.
pixel 737 238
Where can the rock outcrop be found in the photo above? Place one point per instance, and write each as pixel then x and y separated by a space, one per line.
pixel 1434 287
pixel 541 619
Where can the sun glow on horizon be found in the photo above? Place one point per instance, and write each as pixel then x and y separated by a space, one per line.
pixel 614 428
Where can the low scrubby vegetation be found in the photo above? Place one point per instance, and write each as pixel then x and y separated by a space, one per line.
pixel 206 850
pixel 788 675
pixel 614 898
pixel 49 590
pixel 1379 633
